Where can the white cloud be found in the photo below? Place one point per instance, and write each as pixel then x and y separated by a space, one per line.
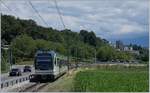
pixel 113 18
pixel 128 29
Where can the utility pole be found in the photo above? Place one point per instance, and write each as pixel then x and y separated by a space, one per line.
pixel 68 51
pixel 95 55
pixel 76 57
pixel 68 56
pixel 10 57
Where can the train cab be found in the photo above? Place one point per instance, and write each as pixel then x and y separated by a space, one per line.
pixel 47 66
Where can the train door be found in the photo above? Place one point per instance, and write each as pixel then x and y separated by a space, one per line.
pixel 56 67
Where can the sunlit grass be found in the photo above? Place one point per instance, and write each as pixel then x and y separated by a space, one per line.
pixel 132 79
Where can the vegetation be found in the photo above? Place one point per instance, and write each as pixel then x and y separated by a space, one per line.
pixel 108 53
pixel 25 37
pixel 115 79
pixel 144 53
pixel 64 83
pixel 25 63
pixel 4 61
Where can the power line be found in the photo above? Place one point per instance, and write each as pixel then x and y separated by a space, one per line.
pixel 38 13
pixel 60 15
pixel 8 8
pixel 61 19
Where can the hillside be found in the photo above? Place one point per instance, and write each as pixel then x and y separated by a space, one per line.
pixel 26 37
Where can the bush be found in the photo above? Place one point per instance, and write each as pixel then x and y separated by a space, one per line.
pixel 4 65
pixel 23 47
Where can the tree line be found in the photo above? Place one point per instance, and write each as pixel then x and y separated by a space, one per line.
pixel 25 37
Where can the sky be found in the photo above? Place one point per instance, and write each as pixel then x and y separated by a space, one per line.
pixel 125 20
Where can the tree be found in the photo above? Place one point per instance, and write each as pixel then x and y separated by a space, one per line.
pixel 88 37
pixel 104 53
pixel 43 44
pixel 4 60
pixel 23 47
pixel 108 53
pixel 26 37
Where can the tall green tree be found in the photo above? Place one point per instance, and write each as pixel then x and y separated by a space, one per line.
pixel 23 47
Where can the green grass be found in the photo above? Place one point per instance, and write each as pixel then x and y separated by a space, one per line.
pixel 112 79
pixel 64 83
pixel 3 71
pixel 4 66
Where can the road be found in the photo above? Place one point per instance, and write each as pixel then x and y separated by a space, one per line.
pixel 5 76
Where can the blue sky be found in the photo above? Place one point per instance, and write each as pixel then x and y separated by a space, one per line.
pixel 125 20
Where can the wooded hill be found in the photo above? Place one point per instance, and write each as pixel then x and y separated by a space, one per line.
pixel 26 37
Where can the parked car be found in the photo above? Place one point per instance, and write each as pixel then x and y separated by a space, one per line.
pixel 15 72
pixel 27 69
pixel 112 60
pixel 121 61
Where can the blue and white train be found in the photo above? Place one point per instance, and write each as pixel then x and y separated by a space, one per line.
pixel 48 65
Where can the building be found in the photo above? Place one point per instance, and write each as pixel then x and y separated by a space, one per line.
pixel 128 48
pixel 135 52
pixel 119 45
pixel 112 44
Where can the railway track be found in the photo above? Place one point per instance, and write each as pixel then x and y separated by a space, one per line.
pixel 34 87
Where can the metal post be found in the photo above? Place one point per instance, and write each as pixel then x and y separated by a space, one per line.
pixel 68 52
pixel 10 58
pixel 76 58
pixel 68 58
pixel 95 55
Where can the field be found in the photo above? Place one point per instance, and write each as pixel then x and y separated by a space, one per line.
pixel 112 79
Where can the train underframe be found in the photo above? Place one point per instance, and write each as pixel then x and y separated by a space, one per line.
pixel 44 77
pixel 39 77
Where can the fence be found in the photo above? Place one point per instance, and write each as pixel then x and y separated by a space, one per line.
pixel 12 82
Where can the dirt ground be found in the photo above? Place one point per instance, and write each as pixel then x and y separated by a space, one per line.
pixel 63 84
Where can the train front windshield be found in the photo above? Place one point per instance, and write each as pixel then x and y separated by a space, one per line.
pixel 43 61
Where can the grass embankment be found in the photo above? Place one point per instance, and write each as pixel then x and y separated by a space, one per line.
pixel 4 67
pixel 63 84
pixel 112 79
pixel 4 71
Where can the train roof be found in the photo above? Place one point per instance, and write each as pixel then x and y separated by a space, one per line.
pixel 44 51
pixel 51 52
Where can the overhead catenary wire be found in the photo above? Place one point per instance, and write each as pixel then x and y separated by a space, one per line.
pixel 61 19
pixel 8 8
pixel 60 15
pixel 36 11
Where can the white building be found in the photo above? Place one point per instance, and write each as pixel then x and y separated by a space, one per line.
pixel 128 48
